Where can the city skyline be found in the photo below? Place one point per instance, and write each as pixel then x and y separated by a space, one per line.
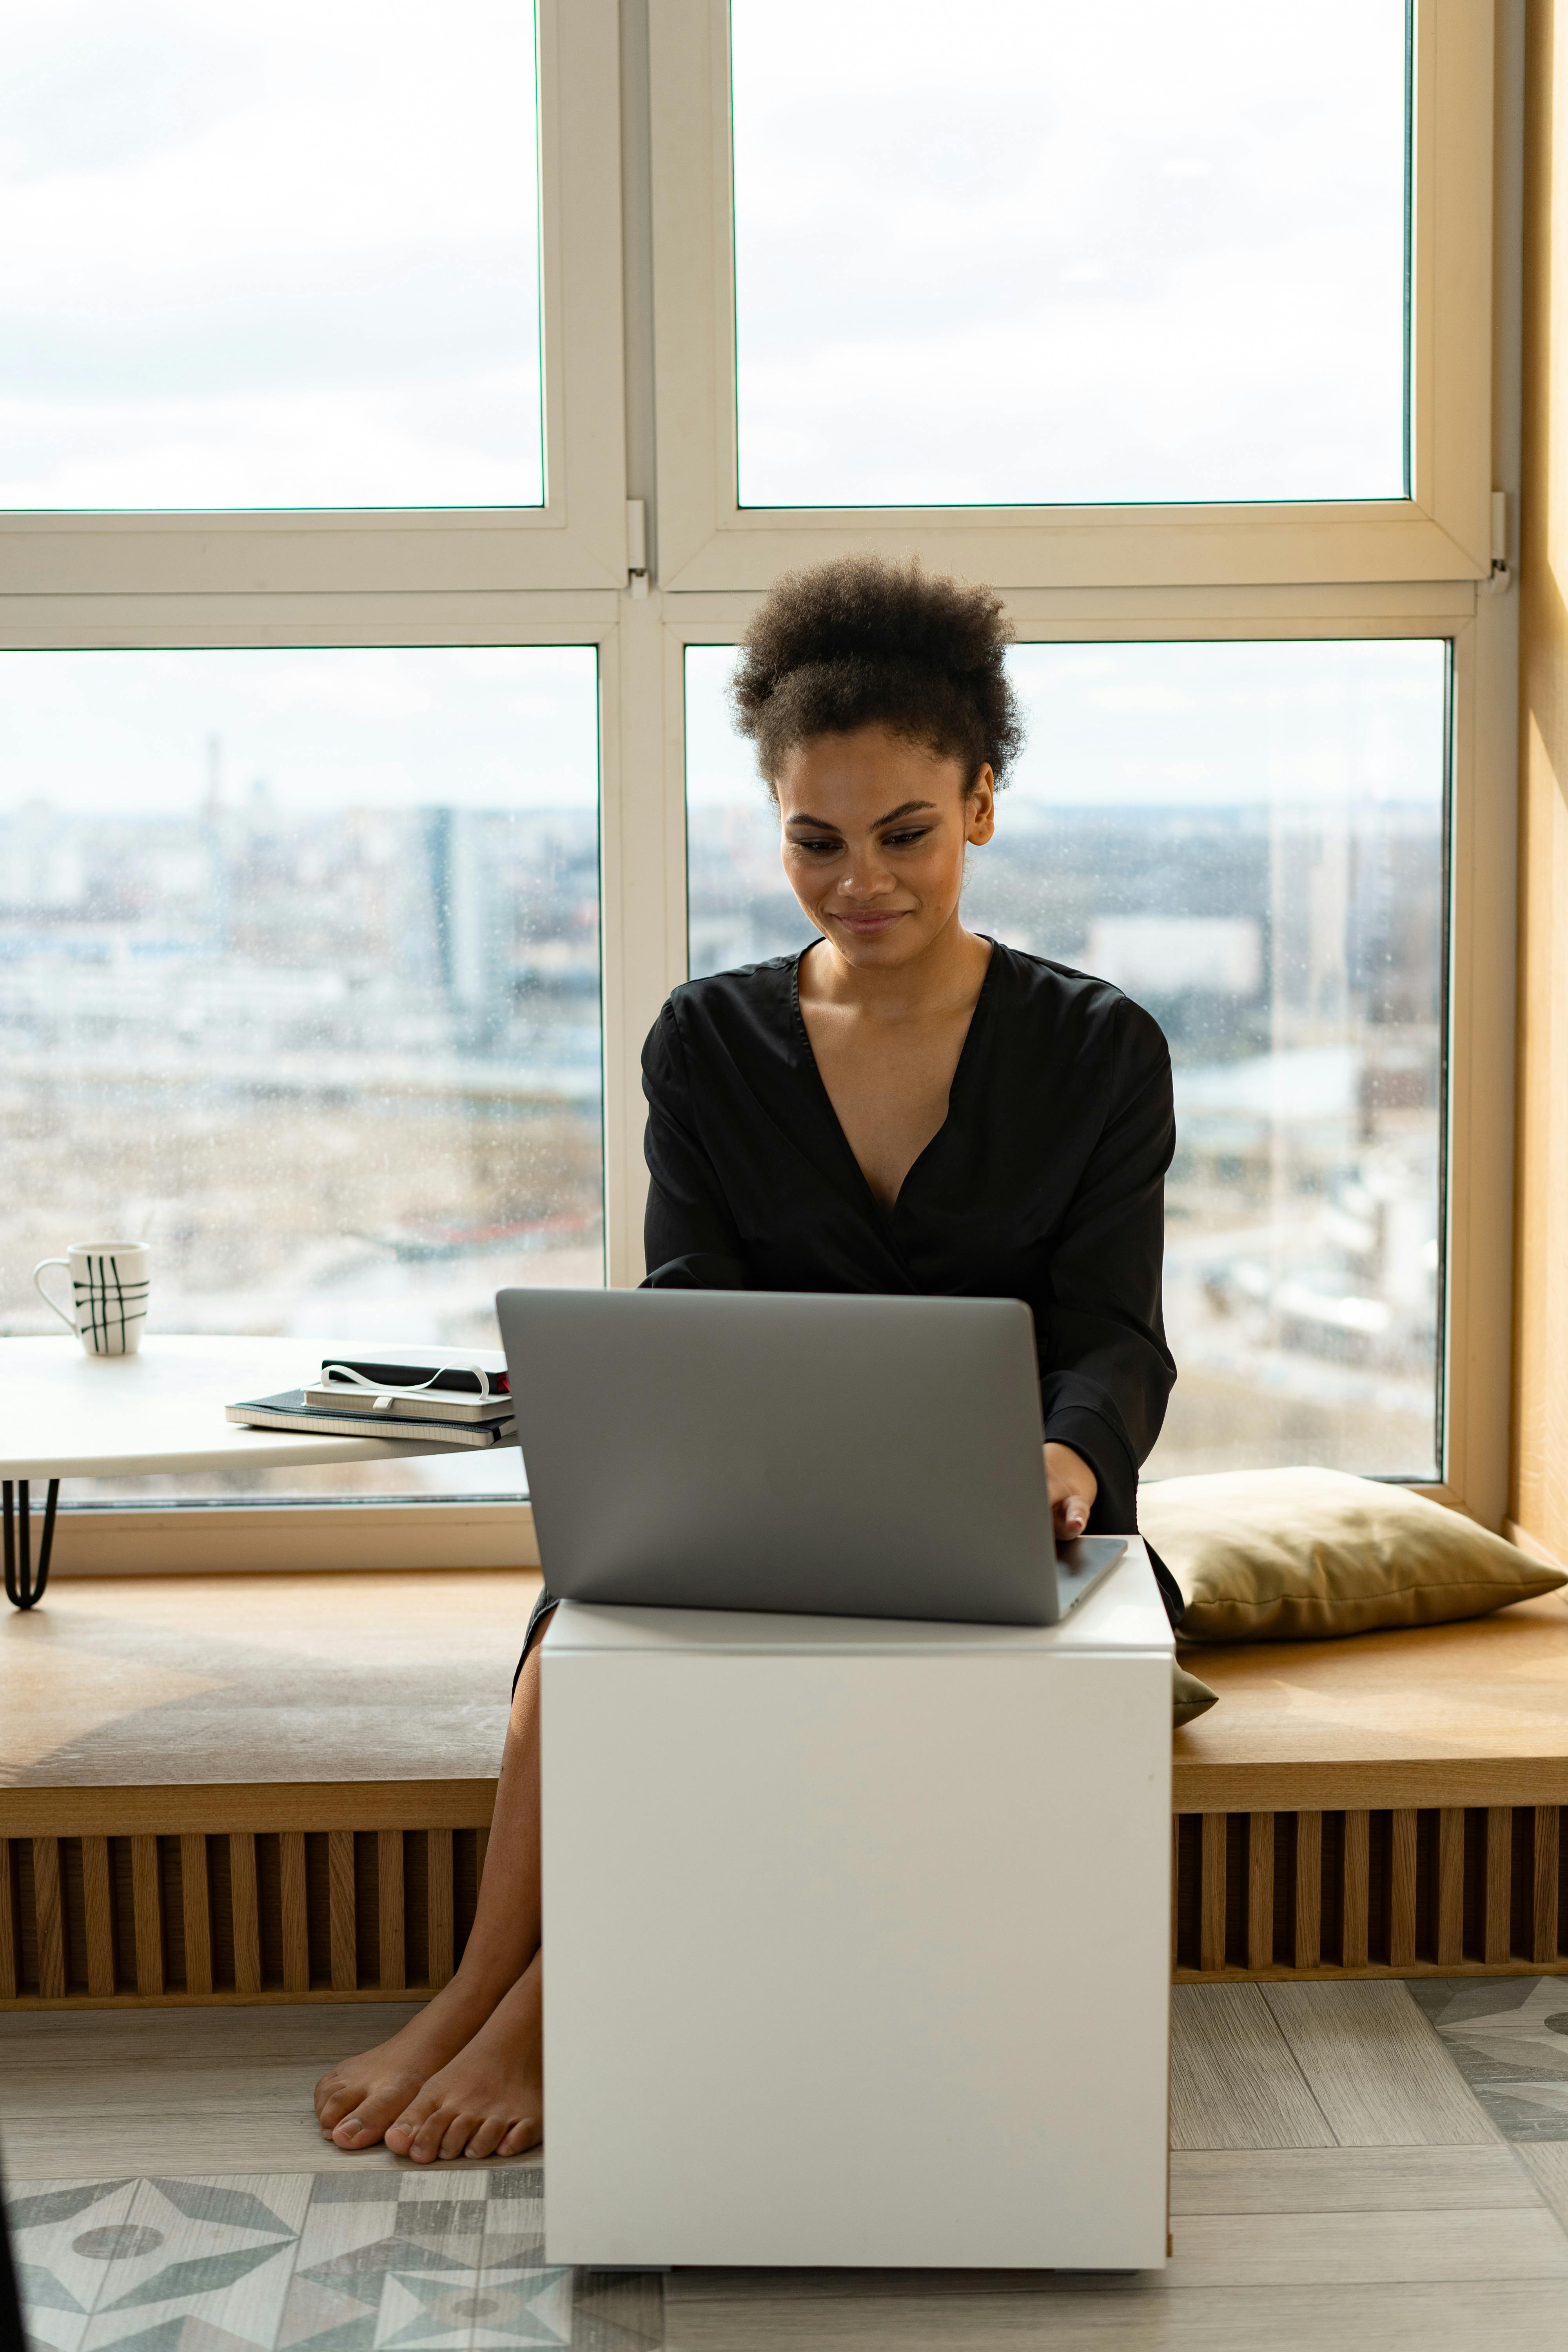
pixel 319 1003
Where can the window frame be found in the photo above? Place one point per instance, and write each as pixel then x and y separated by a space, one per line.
pixel 611 107
pixel 1442 532
pixel 576 540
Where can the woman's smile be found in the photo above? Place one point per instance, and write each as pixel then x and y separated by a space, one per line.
pixel 868 925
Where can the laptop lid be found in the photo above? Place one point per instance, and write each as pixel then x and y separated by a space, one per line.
pixel 821 1454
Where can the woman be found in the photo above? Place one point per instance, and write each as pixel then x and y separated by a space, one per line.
pixel 905 1106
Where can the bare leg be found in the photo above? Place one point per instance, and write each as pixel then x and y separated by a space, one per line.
pixel 358 2099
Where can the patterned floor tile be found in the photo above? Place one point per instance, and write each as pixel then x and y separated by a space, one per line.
pixel 335 2293
pixel 216 2252
pixel 514 2222
pixel 431 2277
pixel 63 2236
pixel 1509 2037
pixel 422 2311
pixel 1526 2111
pixel 301 2262
pixel 183 2332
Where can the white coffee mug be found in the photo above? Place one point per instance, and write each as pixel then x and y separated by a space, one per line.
pixel 109 1292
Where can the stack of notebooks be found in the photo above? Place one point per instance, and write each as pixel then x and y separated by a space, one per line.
pixel 439 1396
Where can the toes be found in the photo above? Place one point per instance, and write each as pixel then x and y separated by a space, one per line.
pixel 353 2132
pixel 425 2145
pixel 341 2113
pixel 459 2131
pixel 361 2125
pixel 523 2136
pixel 400 2135
pixel 377 2111
pixel 333 2100
pixel 489 2137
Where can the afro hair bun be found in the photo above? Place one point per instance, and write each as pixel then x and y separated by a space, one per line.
pixel 862 642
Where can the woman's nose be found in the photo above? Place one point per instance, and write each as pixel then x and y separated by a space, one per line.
pixel 864 881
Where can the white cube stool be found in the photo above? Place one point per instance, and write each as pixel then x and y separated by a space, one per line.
pixel 856 1937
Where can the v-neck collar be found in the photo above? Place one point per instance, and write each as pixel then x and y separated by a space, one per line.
pixel 885 1218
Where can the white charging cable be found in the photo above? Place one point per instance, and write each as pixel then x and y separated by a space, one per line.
pixel 346 1375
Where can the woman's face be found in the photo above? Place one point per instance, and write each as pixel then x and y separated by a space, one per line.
pixel 874 831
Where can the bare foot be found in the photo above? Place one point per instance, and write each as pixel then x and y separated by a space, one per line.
pixel 358 2099
pixel 490 2101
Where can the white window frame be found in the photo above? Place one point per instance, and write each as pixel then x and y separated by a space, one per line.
pixel 707 540
pixel 576 540
pixel 560 575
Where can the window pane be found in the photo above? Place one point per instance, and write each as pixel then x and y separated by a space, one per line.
pixel 1250 839
pixel 300 975
pixel 268 255
pixel 1032 252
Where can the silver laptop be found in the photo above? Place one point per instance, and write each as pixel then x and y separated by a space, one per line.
pixel 817 1453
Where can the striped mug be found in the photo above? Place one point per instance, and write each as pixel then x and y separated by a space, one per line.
pixel 108 1294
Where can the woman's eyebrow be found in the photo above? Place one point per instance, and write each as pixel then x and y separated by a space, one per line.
pixel 826 824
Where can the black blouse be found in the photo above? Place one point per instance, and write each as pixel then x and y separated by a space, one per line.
pixel 1044 1182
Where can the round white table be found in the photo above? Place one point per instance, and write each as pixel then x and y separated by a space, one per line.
pixel 67 1414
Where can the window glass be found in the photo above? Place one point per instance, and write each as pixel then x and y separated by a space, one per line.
pixel 271 255
pixel 299 978
pixel 1032 252
pixel 1249 840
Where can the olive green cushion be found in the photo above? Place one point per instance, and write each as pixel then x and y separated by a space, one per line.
pixel 1189 1696
pixel 1295 1555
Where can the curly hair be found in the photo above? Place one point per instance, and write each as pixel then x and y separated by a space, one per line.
pixel 861 642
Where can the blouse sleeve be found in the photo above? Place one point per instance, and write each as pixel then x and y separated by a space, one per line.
pixel 1105 1370
pixel 689 1241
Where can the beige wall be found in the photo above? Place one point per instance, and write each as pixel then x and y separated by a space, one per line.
pixel 1540 1472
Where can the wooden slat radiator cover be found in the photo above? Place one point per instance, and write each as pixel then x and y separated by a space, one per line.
pixel 98 1918
pixel 1405 1891
pixel 291 1914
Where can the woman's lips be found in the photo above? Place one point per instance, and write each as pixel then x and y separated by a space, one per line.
pixel 868 925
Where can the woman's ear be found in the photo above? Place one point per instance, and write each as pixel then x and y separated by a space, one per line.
pixel 980 810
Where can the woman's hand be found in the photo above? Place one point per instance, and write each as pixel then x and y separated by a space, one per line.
pixel 1073 1487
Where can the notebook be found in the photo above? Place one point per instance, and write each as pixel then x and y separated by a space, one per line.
pixel 289 1410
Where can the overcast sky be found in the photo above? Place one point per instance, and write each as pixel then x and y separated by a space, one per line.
pixel 273 252
pixel 1027 250
pixel 1215 724
pixel 268 252
pixel 501 727
pixel 478 727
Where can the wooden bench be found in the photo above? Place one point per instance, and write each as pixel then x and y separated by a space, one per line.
pixel 278 1788
pixel 249 1788
pixel 1395 1804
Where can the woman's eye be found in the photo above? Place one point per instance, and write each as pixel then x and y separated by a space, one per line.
pixel 905 840
pixel 818 849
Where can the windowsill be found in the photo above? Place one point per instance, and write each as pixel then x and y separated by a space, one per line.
pixel 200 1539
pixel 245 1539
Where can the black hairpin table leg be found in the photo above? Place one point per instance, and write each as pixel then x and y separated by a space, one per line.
pixel 22 1587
